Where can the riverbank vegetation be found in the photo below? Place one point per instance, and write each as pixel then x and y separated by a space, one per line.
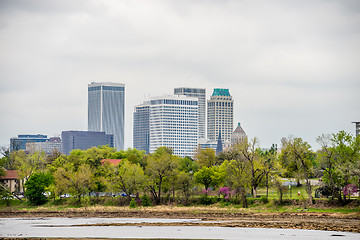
pixel 291 178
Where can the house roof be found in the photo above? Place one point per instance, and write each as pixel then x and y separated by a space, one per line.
pixel 111 161
pixel 10 174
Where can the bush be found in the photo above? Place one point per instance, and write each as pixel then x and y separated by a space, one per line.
pixel 145 201
pixel 264 200
pixel 132 203
pixel 205 200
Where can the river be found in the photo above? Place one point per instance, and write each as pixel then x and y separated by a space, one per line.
pixel 69 228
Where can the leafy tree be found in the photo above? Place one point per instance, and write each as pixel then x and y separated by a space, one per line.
pixel 27 164
pixel 272 166
pixel 238 176
pixel 205 177
pixel 327 162
pixel 129 177
pixel 205 157
pixel 250 153
pixel 36 187
pixel 160 165
pixel 187 165
pixel 347 154
pixel 76 182
pixel 299 152
pixel 184 183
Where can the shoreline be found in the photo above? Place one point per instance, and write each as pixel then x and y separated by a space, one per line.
pixel 209 217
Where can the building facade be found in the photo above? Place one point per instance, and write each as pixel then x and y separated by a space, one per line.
pixel 106 110
pixel 20 142
pixel 173 122
pixel 199 93
pixel 54 143
pixel 220 115
pixel 238 135
pixel 84 140
pixel 141 129
pixel 357 128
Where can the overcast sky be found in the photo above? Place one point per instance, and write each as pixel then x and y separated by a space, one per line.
pixel 292 67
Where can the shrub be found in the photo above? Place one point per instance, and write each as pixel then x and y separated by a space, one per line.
pixel 145 201
pixel 132 203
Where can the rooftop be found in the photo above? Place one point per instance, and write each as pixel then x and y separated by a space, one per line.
pixel 221 92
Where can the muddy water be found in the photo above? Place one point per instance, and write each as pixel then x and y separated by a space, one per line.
pixel 69 228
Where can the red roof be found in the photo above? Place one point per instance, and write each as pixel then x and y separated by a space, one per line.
pixel 11 174
pixel 111 161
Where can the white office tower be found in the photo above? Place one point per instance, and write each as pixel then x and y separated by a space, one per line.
pixel 106 110
pixel 199 93
pixel 174 124
pixel 220 115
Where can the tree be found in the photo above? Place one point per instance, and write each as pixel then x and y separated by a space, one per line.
pixel 257 165
pixel 76 182
pixel 238 176
pixel 299 152
pixel 36 187
pixel 184 183
pixel 272 167
pixel 160 165
pixel 327 163
pixel 205 177
pixel 205 157
pixel 347 155
pixel 27 164
pixel 129 177
pixel 187 165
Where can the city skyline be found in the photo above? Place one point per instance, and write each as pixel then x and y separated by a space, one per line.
pixel 292 68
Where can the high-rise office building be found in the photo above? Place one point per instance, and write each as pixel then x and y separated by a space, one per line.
pixel 199 93
pixel 173 122
pixel 19 143
pixel 84 140
pixel 220 115
pixel 106 110
pixel 141 131
pixel 54 143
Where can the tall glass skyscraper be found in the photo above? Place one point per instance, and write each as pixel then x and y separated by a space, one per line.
pixel 106 110
pixel 220 115
pixel 141 131
pixel 199 93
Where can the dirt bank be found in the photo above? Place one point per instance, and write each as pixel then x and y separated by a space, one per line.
pixel 212 217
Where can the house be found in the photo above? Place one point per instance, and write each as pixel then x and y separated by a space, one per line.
pixel 11 180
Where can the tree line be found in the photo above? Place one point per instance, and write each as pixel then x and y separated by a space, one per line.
pixel 236 172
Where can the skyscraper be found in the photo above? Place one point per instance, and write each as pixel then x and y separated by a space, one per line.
pixel 220 115
pixel 199 93
pixel 141 131
pixel 173 122
pixel 238 135
pixel 106 110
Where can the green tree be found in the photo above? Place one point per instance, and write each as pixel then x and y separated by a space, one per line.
pixel 187 165
pixel 238 176
pixel 160 165
pixel 205 157
pixel 205 177
pixel 347 154
pixel 28 164
pixel 36 187
pixel 129 177
pixel 184 183
pixel 250 153
pixel 76 182
pixel 299 152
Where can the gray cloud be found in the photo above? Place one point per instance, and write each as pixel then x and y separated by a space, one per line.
pixel 292 67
